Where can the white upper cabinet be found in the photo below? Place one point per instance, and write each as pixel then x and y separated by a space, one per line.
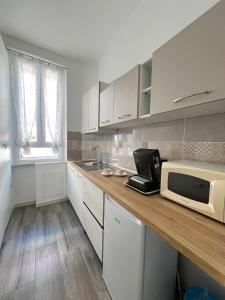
pixel 85 113
pixel 126 96
pixel 190 68
pixel 93 108
pixel 106 106
pixel 90 108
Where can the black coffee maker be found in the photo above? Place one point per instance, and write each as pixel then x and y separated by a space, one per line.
pixel 148 164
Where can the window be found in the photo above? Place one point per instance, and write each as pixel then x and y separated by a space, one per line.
pixel 38 90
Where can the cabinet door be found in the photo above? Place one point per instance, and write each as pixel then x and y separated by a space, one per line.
pixel 106 106
pixel 126 96
pixel 69 183
pixel 79 194
pixel 93 108
pixel 190 68
pixel 74 190
pixel 71 186
pixel 85 113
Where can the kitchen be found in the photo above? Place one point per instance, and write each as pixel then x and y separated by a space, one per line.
pixel 165 93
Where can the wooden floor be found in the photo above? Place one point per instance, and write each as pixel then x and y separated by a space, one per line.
pixel 46 255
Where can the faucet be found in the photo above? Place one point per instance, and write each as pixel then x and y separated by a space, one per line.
pixel 98 151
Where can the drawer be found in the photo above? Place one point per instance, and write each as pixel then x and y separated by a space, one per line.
pixel 93 198
pixel 93 230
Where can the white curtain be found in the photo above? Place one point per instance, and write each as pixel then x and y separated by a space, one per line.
pixel 24 75
pixel 38 90
pixel 53 95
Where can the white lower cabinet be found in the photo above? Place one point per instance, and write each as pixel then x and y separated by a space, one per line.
pixel 93 230
pixel 138 263
pixel 88 202
pixel 93 198
pixel 75 190
pixel 93 214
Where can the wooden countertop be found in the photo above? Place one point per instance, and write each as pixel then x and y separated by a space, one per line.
pixel 196 236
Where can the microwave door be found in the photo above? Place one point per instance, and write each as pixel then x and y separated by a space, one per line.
pixel 190 187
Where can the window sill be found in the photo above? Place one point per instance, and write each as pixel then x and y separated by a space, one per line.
pixel 27 162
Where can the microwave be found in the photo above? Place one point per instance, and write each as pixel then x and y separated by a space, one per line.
pixel 196 185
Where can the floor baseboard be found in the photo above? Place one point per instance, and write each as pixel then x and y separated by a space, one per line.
pixel 25 204
pixel 51 201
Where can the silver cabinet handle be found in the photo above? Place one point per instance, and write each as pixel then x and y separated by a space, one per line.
pixel 192 95
pixel 93 128
pixel 4 146
pixel 107 121
pixel 124 116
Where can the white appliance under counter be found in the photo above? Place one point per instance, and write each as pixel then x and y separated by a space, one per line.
pixel 137 263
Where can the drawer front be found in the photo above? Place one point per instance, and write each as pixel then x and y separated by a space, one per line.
pixel 93 230
pixel 93 198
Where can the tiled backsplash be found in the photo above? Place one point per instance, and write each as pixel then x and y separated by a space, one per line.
pixel 201 139
pixel 74 143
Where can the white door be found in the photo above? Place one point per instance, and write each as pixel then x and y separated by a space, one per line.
pixel 190 68
pixel 106 106
pixel 93 110
pixel 126 96
pixel 5 155
pixel 123 252
pixel 85 116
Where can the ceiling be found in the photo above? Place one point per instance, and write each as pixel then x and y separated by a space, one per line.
pixel 80 29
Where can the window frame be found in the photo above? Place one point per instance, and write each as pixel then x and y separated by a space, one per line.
pixel 17 159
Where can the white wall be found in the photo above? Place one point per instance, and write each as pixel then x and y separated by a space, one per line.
pixel 5 155
pixel 90 76
pixel 150 26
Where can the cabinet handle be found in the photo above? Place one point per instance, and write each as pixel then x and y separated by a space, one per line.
pixel 93 128
pixel 192 95
pixel 107 121
pixel 124 116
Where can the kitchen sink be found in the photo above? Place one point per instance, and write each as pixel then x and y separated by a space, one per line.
pixel 91 165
